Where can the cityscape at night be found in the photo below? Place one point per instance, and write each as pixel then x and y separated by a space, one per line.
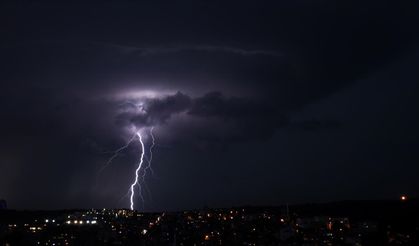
pixel 198 122
pixel 347 223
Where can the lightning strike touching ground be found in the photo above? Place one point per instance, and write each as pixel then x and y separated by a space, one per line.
pixel 148 167
pixel 140 172
pixel 137 172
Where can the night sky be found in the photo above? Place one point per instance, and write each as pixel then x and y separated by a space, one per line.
pixel 252 103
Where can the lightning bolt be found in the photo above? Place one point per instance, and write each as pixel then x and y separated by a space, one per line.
pixel 150 158
pixel 116 152
pixel 132 191
pixel 140 172
pixel 151 149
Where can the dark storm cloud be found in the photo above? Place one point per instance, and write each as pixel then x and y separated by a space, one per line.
pixel 188 48
pixel 247 117
pixel 243 72
pixel 316 124
pixel 152 112
pixel 215 104
pixel 236 118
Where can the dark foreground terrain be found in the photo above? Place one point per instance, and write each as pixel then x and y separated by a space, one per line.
pixel 340 223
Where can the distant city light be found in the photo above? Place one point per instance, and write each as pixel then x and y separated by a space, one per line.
pixel 403 198
pixel 330 229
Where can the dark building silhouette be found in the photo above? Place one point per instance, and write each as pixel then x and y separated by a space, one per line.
pixel 3 204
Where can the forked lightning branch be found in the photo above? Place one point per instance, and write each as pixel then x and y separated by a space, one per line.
pixel 142 166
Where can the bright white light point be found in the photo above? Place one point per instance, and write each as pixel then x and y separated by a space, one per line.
pixel 137 171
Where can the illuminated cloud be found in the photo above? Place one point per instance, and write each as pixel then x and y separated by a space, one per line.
pixel 241 114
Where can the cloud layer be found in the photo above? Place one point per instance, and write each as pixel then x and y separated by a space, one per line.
pixel 242 115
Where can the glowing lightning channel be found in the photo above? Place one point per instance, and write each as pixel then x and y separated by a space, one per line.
pixel 137 171
pixel 116 153
pixel 151 150
pixel 150 158
pixel 140 173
